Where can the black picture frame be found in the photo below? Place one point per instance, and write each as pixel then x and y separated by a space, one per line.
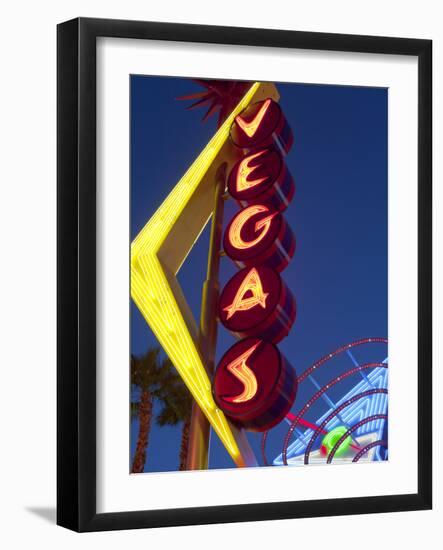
pixel 76 279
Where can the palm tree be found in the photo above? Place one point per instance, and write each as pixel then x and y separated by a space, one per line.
pixel 146 373
pixel 176 407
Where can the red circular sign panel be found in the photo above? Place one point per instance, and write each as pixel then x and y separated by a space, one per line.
pixel 262 176
pixel 255 385
pixel 258 235
pixel 256 302
pixel 261 124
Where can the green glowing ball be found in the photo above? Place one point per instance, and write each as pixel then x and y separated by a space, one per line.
pixel 331 439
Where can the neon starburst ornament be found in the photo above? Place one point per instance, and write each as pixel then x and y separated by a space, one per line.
pixel 220 96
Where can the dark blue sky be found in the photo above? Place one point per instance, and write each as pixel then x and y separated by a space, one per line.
pixel 339 216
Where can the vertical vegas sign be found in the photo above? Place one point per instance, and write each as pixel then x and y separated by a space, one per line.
pixel 259 385
pixel 254 384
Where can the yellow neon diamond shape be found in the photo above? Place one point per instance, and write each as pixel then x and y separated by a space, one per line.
pixel 159 250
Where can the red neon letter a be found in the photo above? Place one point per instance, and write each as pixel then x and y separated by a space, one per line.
pixel 251 283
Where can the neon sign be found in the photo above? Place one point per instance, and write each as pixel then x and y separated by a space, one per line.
pixel 262 124
pixel 257 302
pixel 157 253
pixel 250 128
pixel 244 170
pixel 235 231
pixel 254 384
pixel 251 284
pixel 259 235
pixel 240 370
pixel 262 177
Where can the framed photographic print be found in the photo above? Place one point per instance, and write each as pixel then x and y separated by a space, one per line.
pixel 244 274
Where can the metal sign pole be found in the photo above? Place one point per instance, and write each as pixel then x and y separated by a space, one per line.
pixel 198 449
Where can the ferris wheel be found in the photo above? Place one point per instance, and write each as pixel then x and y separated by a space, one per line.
pixel 350 428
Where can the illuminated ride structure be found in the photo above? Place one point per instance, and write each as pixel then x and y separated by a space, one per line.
pixel 353 428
